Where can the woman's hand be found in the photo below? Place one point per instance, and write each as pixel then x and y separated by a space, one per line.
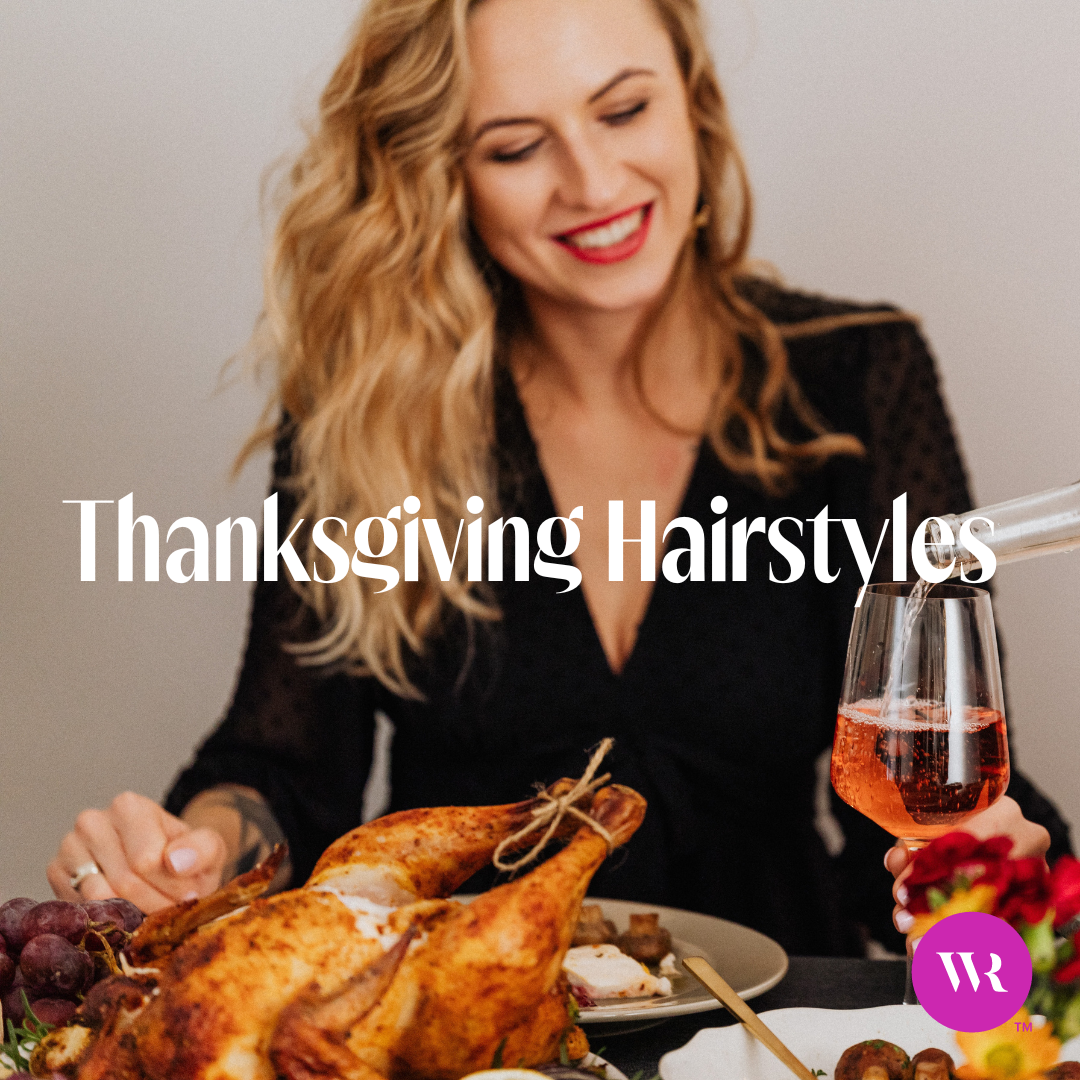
pixel 1004 818
pixel 143 853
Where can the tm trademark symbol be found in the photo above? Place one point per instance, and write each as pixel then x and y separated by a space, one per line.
pixel 1022 1025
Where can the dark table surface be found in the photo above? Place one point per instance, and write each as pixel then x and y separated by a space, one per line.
pixel 821 982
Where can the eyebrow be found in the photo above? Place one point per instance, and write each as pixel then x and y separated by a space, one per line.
pixel 626 73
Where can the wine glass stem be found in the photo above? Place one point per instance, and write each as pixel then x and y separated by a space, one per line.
pixel 910 997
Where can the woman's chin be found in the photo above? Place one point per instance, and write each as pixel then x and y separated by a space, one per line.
pixel 613 291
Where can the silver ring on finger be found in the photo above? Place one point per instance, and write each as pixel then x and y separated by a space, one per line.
pixel 88 869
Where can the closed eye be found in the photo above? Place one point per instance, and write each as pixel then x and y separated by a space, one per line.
pixel 521 154
pixel 624 116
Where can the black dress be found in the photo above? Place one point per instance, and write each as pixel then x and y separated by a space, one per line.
pixel 723 706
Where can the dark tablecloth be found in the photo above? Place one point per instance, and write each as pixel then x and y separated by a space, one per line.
pixel 812 981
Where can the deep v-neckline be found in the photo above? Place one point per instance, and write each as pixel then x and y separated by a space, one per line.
pixel 521 454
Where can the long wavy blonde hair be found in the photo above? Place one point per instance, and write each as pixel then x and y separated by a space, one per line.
pixel 386 328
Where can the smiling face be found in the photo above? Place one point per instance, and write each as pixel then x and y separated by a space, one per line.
pixel 581 161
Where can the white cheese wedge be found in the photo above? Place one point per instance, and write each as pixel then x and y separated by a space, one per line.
pixel 602 971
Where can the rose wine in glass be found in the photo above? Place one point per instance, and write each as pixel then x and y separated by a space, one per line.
pixel 920 735
pixel 920 741
pixel 922 770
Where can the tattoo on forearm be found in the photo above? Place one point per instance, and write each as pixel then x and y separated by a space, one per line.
pixel 259 832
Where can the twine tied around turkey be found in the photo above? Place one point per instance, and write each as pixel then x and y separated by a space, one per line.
pixel 552 810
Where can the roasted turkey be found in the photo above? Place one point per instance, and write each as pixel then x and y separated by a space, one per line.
pixel 368 972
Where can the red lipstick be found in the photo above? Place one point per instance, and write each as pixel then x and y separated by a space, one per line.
pixel 610 253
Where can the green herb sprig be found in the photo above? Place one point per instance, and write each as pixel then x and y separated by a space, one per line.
pixel 31 1031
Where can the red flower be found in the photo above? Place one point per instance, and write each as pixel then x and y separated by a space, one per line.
pixel 1069 972
pixel 1026 894
pixel 1065 889
pixel 954 861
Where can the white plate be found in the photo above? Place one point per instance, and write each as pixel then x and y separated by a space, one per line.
pixel 589 1061
pixel 613 1072
pixel 817 1037
pixel 751 962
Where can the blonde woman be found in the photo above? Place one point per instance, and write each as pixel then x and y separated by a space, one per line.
pixel 512 268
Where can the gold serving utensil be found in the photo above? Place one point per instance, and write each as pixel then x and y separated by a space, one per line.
pixel 707 975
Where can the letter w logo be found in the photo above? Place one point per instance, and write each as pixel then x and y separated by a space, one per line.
pixel 972 974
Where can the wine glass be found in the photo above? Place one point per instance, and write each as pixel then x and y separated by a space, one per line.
pixel 920 733
pixel 920 740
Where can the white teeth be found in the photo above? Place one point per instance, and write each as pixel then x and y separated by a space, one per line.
pixel 612 233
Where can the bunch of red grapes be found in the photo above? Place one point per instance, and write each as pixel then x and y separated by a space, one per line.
pixel 54 952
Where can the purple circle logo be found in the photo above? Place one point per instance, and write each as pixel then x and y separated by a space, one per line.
pixel 971 971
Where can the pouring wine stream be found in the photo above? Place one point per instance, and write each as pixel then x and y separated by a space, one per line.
pixel 912 610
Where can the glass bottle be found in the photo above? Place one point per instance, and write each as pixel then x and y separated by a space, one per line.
pixel 1023 528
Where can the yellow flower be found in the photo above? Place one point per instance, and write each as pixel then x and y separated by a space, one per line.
pixel 1013 1051
pixel 977 898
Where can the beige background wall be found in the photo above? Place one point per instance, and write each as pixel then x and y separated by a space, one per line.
pixel 921 151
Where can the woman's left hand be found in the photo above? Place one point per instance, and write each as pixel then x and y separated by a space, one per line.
pixel 1004 818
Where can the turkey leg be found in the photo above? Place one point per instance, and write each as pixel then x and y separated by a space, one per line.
pixel 428 853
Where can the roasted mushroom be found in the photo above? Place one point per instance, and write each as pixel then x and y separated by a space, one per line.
pixel 1064 1070
pixel 593 928
pixel 934 1064
pixel 646 940
pixel 874 1059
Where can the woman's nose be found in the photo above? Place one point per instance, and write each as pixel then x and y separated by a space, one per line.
pixel 592 175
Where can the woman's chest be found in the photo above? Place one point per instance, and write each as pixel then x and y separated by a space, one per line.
pixel 730 659
pixel 608 468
